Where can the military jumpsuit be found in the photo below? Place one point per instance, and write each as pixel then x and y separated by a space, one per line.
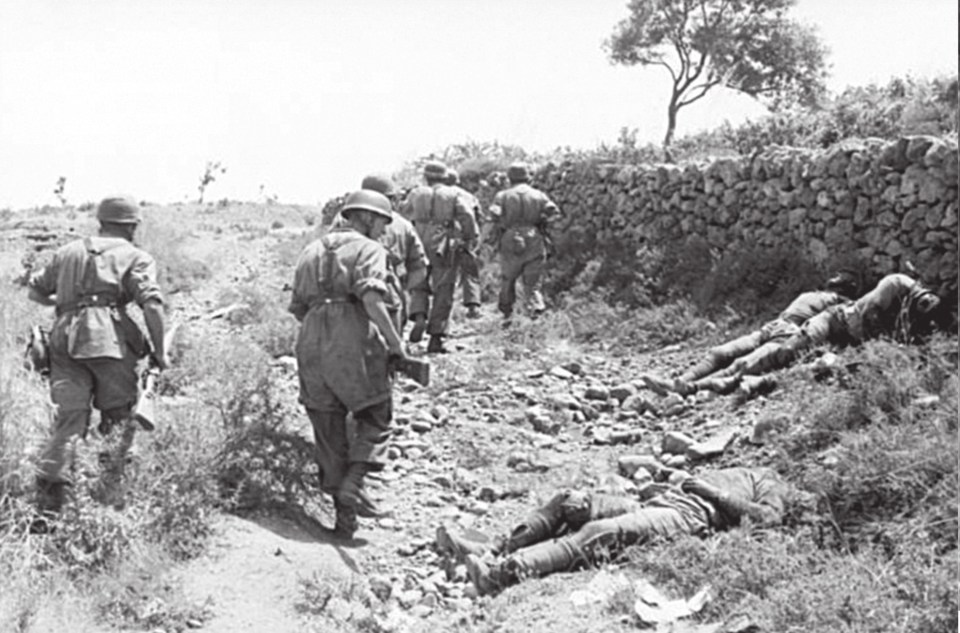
pixel 521 216
pixel 405 255
pixel 468 259
pixel 575 528
pixel 341 354
pixel 753 353
pixel 94 344
pixel 447 227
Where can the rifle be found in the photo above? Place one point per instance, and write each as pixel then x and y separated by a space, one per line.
pixel 145 413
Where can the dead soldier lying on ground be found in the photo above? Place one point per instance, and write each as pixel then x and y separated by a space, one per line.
pixel 577 529
pixel 899 307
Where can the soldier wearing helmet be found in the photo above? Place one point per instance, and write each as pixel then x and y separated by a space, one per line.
pixel 521 216
pixel 405 254
pixel 345 344
pixel 468 260
pixel 447 226
pixel 95 346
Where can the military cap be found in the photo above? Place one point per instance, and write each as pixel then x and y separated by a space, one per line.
pixel 119 210
pixel 518 172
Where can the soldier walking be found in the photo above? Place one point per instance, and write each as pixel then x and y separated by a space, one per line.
pixel 521 216
pixel 406 257
pixel 468 259
pixel 346 343
pixel 95 346
pixel 446 225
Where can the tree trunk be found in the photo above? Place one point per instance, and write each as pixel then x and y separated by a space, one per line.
pixel 672 110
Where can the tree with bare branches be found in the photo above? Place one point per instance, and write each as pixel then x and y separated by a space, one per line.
pixel 746 45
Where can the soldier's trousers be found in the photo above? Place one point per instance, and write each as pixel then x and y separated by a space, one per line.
pixel 530 271
pixel 441 283
pixel 111 385
pixel 339 444
pixel 598 528
pixel 468 265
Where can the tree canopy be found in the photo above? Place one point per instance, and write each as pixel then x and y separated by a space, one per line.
pixel 746 45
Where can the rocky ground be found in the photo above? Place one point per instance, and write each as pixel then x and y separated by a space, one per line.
pixel 511 416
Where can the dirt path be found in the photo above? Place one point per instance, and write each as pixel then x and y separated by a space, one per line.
pixel 249 579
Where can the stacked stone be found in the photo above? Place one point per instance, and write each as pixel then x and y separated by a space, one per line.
pixel 892 202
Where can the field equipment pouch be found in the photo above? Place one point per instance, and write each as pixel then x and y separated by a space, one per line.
pixel 37 354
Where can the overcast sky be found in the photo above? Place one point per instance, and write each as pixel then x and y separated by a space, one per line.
pixel 306 96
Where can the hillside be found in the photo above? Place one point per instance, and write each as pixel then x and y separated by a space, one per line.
pixel 225 530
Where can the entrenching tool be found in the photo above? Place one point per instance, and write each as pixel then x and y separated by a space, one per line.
pixel 145 413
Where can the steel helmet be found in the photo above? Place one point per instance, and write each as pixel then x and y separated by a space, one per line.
pixel 119 210
pixel 381 183
pixel 368 200
pixel 435 170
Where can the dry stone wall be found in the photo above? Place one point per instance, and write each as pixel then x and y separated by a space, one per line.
pixel 893 202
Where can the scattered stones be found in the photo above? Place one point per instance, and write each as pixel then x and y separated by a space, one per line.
pixel 631 436
pixel 562 373
pixel 563 401
pixel 421 425
pixel 676 443
pixel 713 446
pixel 573 367
pixel 638 403
pixel 622 392
pixel 627 465
pixel 675 461
pixel 596 392
pixel 440 412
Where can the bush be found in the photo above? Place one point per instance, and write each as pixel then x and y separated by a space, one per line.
pixel 165 241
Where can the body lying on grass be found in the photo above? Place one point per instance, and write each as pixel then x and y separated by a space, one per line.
pixel 575 528
pixel 899 306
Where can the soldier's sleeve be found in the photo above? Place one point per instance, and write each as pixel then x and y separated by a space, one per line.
pixel 44 281
pixel 549 209
pixel 141 283
pixel 299 303
pixel 370 270
pixel 466 217
pixel 416 254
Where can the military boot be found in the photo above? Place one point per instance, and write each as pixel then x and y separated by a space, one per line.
pixel 459 547
pixel 435 346
pixel 488 579
pixel 51 495
pixel 353 495
pixel 346 520
pixel 419 327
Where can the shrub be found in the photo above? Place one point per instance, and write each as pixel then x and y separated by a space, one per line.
pixel 165 241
